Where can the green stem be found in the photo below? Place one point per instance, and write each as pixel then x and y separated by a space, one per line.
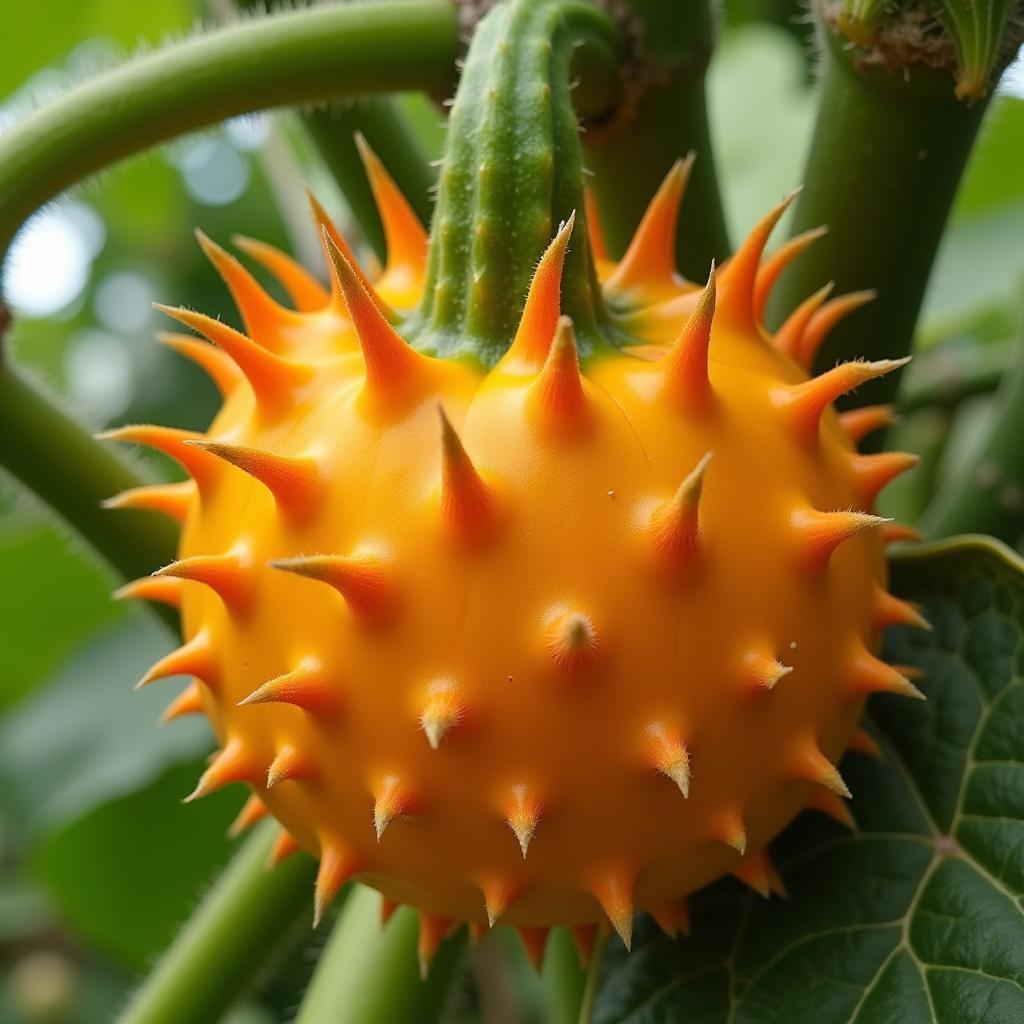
pixel 926 434
pixel 887 155
pixel 286 58
pixel 593 976
pixel 239 925
pixel 948 374
pixel 54 457
pixel 990 499
pixel 564 979
pixel 368 972
pixel 630 155
pixel 383 124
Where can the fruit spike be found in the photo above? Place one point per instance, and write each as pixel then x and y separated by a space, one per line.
pixel 872 472
pixel 728 828
pixel 666 753
pixel 217 364
pixel 261 314
pixel 306 687
pixel 650 258
pixel 337 865
pixel 862 742
pixel 403 233
pixel 543 304
pixel 433 929
pixel 900 533
pixel 294 481
pixel 557 395
pixel 672 917
pixel 188 702
pixel 290 764
pixel 572 640
pixel 685 368
pixel 392 799
pixel 173 500
pixel 829 803
pixel 808 763
pixel 193 658
pixel 442 711
pixel 614 891
pixel 392 367
pixel 523 813
pixel 858 423
pixel 387 908
pixel 584 936
pixel 284 846
pixel 253 810
pixel 825 319
pixel 756 871
pixel 891 611
pixel 787 338
pixel 675 526
pixel 872 675
pixel 227 575
pixel 150 588
pixel 466 501
pixel 773 266
pixel 763 670
pixel 331 236
pixel 273 379
pixel 499 895
pixel 232 764
pixel 305 291
pixel 535 941
pixel 738 277
pixel 804 404
pixel 818 534
pixel 362 580
pixel 198 464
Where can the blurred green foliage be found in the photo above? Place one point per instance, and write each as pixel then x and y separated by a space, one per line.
pixel 99 862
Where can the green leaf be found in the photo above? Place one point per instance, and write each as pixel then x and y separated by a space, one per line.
pixel 86 738
pixel 125 876
pixel 917 917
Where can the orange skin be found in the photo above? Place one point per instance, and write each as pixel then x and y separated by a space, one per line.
pixel 527 604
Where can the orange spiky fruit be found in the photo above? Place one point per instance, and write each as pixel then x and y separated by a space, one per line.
pixel 542 614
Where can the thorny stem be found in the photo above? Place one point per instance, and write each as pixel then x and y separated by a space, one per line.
pixel 52 455
pixel 285 58
pixel 238 926
pixel 663 117
pixel 888 153
pixel 368 973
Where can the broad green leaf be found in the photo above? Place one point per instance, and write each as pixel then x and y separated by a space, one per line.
pixel 124 876
pixel 51 600
pixel 916 918
pixel 86 738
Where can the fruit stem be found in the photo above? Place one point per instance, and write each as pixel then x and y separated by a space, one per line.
pixel 593 976
pixel 989 498
pixel 384 126
pixel 664 119
pixel 888 152
pixel 239 925
pixel 52 455
pixel 368 972
pixel 564 979
pixel 285 58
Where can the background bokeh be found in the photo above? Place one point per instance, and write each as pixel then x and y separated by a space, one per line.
pixel 99 862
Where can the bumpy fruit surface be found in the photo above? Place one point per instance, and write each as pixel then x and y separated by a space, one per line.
pixel 542 640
